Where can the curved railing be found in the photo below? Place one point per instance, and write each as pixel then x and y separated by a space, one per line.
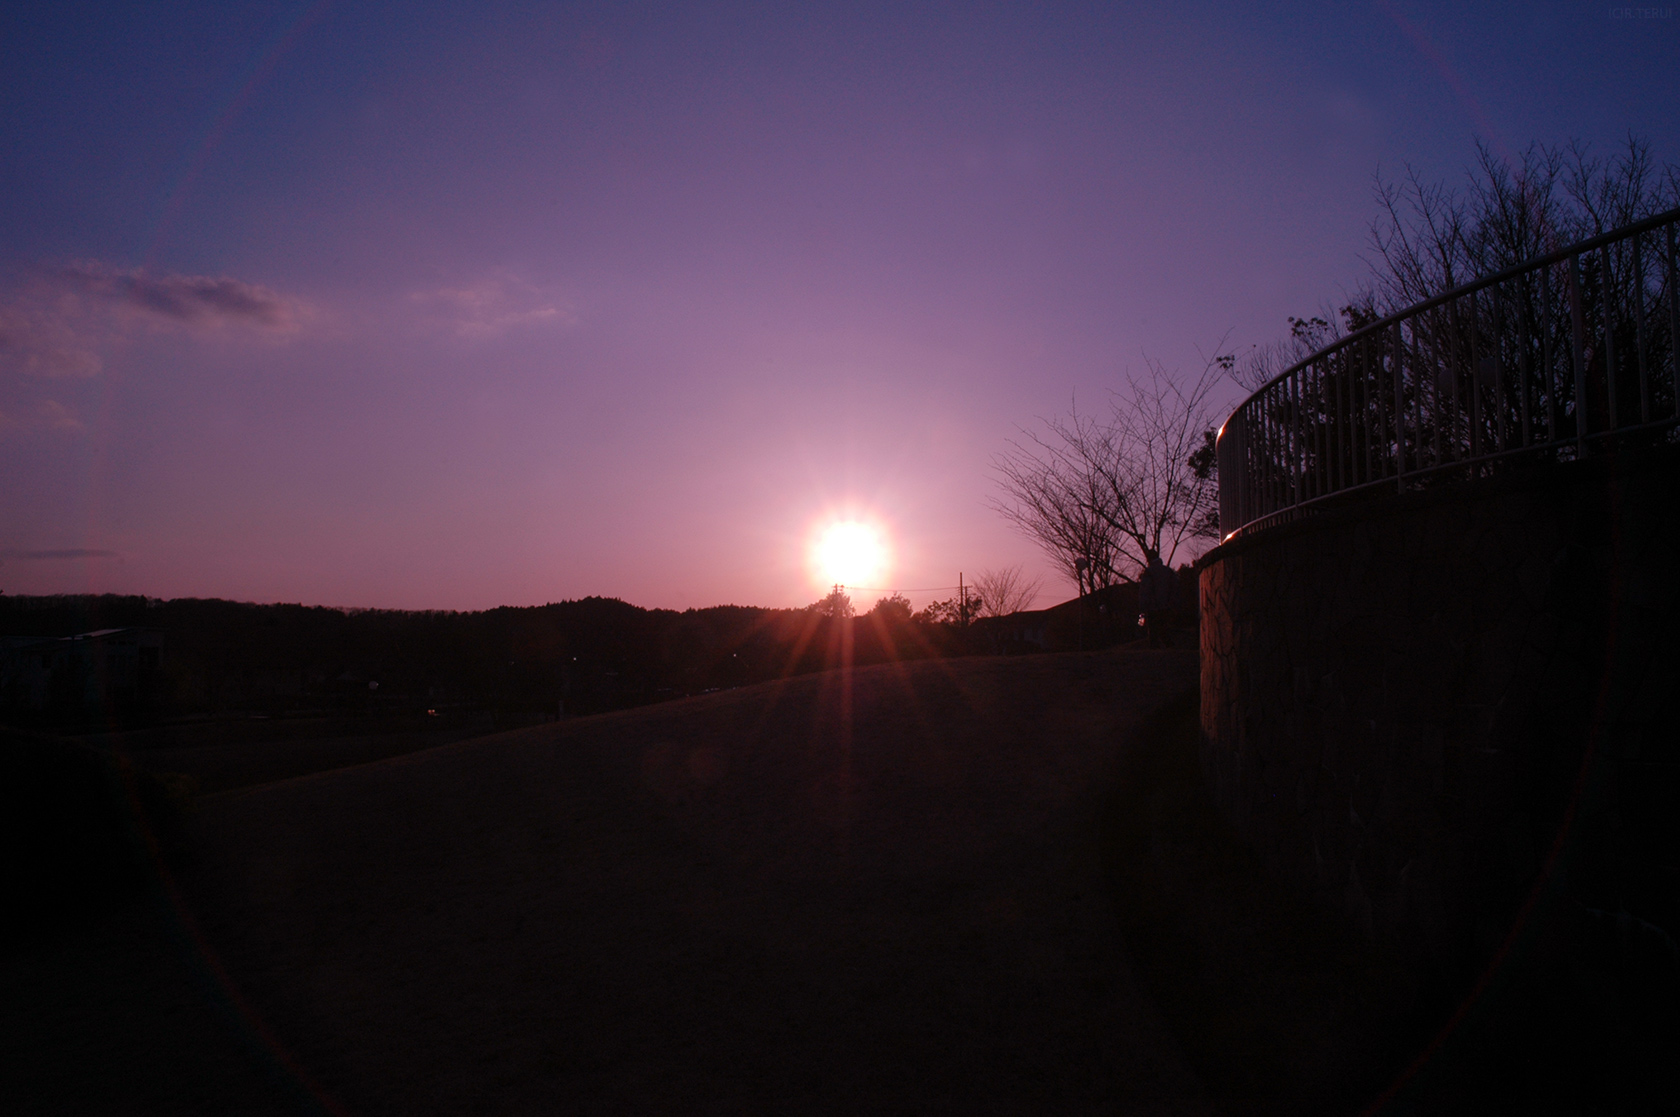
pixel 1542 359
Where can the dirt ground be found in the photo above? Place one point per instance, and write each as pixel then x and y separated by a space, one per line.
pixel 785 898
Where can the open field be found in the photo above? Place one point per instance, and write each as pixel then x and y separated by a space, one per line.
pixel 768 899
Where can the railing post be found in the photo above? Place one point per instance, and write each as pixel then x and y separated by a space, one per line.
pixel 1292 402
pixel 1525 366
pixel 1548 358
pixel 1229 453
pixel 1473 430
pixel 1609 316
pixel 1578 331
pixel 1399 411
pixel 1673 322
pixel 1639 332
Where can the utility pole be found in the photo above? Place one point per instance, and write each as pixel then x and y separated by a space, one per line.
pixel 962 601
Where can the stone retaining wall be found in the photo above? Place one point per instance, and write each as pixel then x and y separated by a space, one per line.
pixel 1419 706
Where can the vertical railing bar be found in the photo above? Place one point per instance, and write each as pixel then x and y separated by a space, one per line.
pixel 1257 457
pixel 1547 357
pixel 1326 431
pixel 1251 450
pixel 1294 432
pixel 1639 331
pixel 1350 394
pixel 1365 418
pixel 1343 432
pixel 1417 393
pixel 1607 313
pixel 1399 364
pixel 1281 431
pixel 1673 321
pixel 1282 437
pixel 1465 342
pixel 1350 465
pixel 1258 453
pixel 1356 420
pixel 1243 474
pixel 1435 408
pixel 1312 416
pixel 1525 370
pixel 1332 427
pixel 1499 371
pixel 1322 428
pixel 1309 472
pixel 1578 331
pixel 1275 496
pixel 1386 366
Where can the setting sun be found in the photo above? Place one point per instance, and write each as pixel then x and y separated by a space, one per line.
pixel 848 553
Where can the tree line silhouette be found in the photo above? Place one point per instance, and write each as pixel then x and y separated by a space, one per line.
pixel 519 663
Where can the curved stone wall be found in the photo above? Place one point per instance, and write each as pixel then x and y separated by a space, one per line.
pixel 1450 711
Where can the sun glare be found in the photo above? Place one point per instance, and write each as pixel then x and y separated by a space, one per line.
pixel 849 553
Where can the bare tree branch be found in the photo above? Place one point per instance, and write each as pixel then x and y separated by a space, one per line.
pixel 1005 591
pixel 1098 495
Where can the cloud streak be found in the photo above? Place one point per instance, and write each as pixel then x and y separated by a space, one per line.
pixel 194 300
pixel 44 415
pixel 65 553
pixel 493 306
pixel 59 322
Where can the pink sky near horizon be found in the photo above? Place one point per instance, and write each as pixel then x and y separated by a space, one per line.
pixel 397 306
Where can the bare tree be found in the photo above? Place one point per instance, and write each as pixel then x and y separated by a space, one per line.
pixel 1095 494
pixel 1429 237
pixel 1262 363
pixel 1001 592
pixel 1052 498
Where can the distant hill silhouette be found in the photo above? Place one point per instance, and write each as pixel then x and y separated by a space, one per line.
pixel 518 664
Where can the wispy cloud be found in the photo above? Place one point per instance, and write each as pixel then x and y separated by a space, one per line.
pixel 57 323
pixel 54 416
pixel 65 553
pixel 40 341
pixel 42 415
pixel 199 301
pixel 493 306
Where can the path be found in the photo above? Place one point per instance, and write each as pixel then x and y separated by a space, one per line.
pixel 717 905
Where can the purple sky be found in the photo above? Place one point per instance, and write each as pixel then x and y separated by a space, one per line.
pixel 456 306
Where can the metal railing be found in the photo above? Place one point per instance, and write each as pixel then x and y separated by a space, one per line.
pixel 1541 360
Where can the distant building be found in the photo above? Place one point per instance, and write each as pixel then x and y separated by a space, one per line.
pixel 111 669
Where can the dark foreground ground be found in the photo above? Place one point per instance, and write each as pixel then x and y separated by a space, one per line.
pixel 779 899
pixel 969 886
